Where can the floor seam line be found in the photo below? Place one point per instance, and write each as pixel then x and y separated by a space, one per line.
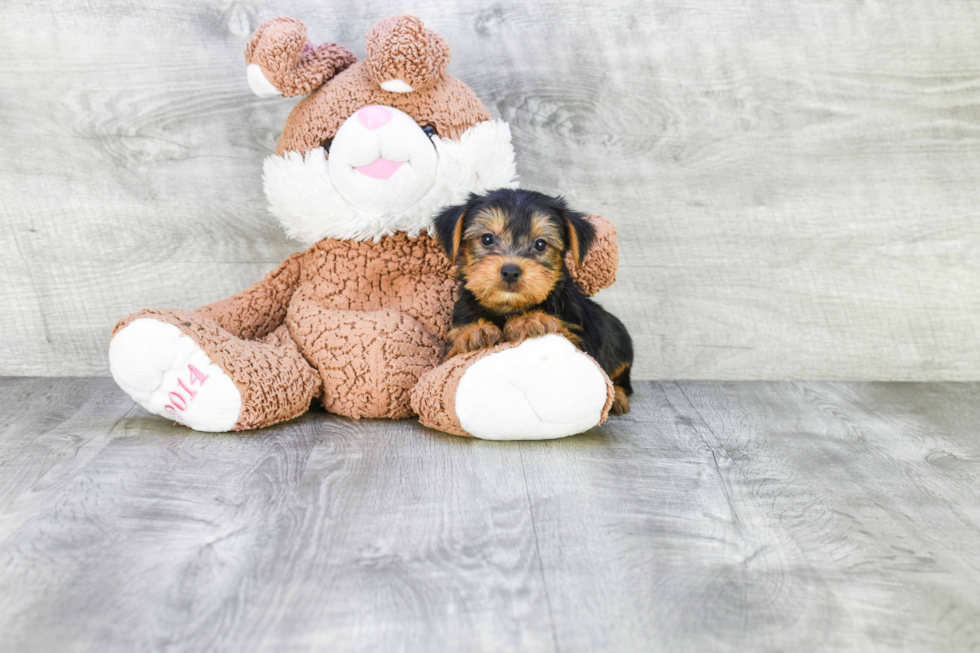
pixel 738 469
pixel 537 548
pixel 714 458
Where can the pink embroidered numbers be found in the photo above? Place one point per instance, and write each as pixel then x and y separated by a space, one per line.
pixel 177 400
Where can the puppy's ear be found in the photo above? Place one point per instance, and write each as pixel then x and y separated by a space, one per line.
pixel 580 232
pixel 449 229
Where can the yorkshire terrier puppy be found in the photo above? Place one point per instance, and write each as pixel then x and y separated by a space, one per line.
pixel 510 246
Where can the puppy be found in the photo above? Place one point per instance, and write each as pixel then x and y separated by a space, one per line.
pixel 510 246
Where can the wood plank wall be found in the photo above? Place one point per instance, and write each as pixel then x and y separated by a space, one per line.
pixel 795 182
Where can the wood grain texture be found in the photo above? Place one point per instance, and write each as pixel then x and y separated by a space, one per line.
pixel 794 182
pixel 716 516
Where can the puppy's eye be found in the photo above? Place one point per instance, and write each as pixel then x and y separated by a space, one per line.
pixel 487 240
pixel 540 245
pixel 430 131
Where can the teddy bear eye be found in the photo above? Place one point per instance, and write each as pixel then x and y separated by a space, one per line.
pixel 430 131
pixel 487 240
pixel 540 245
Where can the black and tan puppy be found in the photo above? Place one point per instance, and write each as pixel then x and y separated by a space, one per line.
pixel 510 246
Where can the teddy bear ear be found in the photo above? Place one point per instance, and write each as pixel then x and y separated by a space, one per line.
pixel 403 56
pixel 280 61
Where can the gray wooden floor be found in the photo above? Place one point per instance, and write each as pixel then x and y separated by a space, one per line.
pixel 716 516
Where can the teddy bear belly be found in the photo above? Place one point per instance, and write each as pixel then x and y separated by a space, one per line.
pixel 428 299
pixel 369 361
pixel 399 273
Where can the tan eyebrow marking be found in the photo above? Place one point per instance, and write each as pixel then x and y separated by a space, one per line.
pixel 492 220
pixel 542 226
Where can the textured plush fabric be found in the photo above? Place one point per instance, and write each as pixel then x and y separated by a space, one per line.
pixel 371 318
pixel 598 269
pixel 401 48
pixel 308 204
pixel 542 388
pixel 448 105
pixel 396 46
pixel 411 275
pixel 293 65
pixel 257 311
pixel 275 381
pixel 354 322
pixel 434 396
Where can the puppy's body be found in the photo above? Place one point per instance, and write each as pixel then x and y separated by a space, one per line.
pixel 511 246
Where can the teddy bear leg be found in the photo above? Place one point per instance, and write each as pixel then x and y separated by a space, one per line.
pixel 183 366
pixel 369 361
pixel 539 389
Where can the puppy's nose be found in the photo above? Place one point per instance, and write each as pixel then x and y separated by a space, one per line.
pixel 373 117
pixel 510 273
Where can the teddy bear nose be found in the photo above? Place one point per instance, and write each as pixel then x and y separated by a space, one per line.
pixel 373 117
pixel 510 273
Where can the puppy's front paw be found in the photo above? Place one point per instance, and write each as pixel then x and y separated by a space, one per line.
pixel 477 335
pixel 535 324
pixel 621 403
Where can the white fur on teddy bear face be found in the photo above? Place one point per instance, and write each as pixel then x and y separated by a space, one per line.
pixel 400 139
pixel 164 372
pixel 304 195
pixel 542 389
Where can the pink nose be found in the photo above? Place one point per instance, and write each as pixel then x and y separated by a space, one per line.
pixel 374 117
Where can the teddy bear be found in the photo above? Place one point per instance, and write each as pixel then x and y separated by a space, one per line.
pixel 357 321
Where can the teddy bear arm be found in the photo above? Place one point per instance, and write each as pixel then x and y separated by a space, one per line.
pixel 598 269
pixel 540 388
pixel 260 309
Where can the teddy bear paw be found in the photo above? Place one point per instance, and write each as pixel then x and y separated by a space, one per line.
pixel 168 374
pixel 542 389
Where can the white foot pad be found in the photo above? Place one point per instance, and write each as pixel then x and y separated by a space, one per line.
pixel 168 374
pixel 542 389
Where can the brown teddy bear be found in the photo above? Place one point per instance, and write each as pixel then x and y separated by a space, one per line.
pixel 358 319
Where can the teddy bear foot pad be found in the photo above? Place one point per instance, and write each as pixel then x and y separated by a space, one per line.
pixel 168 374
pixel 542 389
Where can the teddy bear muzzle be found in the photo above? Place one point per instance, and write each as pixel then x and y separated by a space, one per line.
pixel 381 161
